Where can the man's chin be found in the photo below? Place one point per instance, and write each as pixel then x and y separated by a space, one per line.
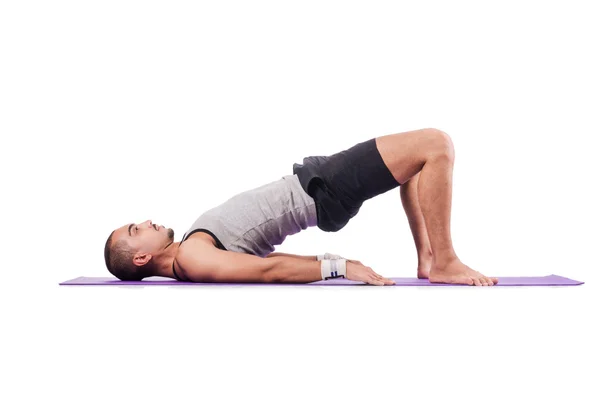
pixel 171 234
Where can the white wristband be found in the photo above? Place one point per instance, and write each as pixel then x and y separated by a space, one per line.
pixel 333 268
pixel 327 255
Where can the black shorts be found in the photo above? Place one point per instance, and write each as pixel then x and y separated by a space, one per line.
pixel 340 183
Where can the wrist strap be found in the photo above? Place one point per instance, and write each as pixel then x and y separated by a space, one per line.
pixel 327 255
pixel 333 268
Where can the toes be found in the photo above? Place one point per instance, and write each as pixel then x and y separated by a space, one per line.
pixel 477 282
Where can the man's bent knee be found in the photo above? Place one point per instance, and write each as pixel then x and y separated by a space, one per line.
pixel 441 144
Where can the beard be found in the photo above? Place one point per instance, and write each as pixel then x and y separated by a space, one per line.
pixel 170 234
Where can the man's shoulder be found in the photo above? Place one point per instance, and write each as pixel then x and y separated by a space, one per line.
pixel 190 253
pixel 193 246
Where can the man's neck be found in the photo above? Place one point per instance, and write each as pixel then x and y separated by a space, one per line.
pixel 163 265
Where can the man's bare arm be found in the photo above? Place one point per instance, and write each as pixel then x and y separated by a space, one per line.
pixel 295 269
pixel 203 262
pixel 310 257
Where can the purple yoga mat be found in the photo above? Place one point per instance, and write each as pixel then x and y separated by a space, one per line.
pixel 552 279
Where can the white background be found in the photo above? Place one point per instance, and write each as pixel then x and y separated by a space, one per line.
pixel 120 111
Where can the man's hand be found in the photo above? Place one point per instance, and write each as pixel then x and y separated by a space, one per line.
pixel 356 271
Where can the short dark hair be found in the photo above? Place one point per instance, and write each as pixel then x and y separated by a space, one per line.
pixel 119 260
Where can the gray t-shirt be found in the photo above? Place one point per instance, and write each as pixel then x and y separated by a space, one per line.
pixel 256 220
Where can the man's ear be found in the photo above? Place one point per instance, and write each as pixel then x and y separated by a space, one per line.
pixel 141 259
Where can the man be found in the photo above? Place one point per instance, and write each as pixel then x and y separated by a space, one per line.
pixel 234 242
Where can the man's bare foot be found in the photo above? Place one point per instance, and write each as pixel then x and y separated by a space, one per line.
pixel 456 272
pixel 424 267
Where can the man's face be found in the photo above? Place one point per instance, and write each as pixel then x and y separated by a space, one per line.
pixel 146 237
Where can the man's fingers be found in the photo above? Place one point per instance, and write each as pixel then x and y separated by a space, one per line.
pixel 371 277
pixel 386 280
pixel 381 279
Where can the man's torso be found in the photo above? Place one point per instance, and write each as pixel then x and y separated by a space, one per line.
pixel 256 220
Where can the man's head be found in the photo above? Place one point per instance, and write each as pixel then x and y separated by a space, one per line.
pixel 130 249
